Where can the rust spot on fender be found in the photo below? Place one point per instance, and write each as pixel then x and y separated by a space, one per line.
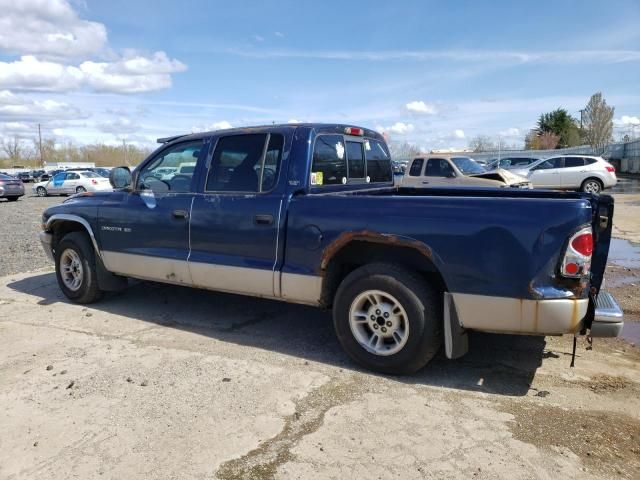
pixel 373 237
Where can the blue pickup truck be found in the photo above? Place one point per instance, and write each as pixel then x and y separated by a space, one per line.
pixel 308 213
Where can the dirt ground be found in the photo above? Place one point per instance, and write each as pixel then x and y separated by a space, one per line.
pixel 168 382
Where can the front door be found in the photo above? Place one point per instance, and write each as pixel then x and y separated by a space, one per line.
pixel 145 233
pixel 236 219
pixel 547 173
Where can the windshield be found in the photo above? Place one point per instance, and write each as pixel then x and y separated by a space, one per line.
pixel 468 166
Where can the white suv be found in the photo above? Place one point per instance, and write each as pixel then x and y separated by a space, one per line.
pixel 571 172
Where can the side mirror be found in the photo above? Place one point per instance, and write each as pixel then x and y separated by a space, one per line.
pixel 120 177
pixel 451 174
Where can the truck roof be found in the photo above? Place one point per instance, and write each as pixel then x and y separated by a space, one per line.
pixel 337 128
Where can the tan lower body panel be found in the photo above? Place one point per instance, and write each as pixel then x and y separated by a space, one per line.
pixel 515 315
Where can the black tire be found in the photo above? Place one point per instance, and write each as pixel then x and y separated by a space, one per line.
pixel 12 199
pixel 41 192
pixel 418 298
pixel 88 291
pixel 81 190
pixel 592 185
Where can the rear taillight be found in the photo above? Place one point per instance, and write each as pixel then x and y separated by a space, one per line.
pixel 611 168
pixel 94 181
pixel 577 258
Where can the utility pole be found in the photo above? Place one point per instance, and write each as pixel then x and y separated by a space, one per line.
pixel 40 143
pixel 581 116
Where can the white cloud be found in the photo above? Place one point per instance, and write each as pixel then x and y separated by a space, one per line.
pixel 131 74
pixel 510 132
pixel 516 57
pixel 29 73
pixel 119 126
pixel 459 133
pixel 48 28
pixel 293 120
pixel 400 128
pixel 628 120
pixel 258 38
pixel 221 125
pixel 418 106
pixel 279 34
pixel 14 108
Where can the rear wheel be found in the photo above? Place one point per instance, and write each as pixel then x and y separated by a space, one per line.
pixel 41 192
pixel 591 185
pixel 76 268
pixel 81 190
pixel 388 319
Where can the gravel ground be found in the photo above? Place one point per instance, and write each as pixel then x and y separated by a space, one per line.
pixel 240 388
pixel 20 250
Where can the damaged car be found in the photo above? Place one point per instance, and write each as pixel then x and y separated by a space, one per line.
pixel 458 171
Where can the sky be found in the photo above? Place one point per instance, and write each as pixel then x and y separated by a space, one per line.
pixel 431 73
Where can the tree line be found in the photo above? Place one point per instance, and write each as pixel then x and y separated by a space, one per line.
pixel 18 151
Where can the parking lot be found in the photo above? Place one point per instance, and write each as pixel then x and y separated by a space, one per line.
pixel 168 382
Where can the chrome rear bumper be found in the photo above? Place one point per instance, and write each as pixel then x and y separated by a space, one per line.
pixel 607 321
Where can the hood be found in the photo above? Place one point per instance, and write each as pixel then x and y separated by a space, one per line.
pixel 502 175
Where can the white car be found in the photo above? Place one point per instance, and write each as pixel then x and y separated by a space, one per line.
pixel 571 172
pixel 66 183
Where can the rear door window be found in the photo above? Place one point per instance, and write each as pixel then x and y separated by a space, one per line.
pixel 573 162
pixel 378 161
pixel 237 163
pixel 416 167
pixel 329 161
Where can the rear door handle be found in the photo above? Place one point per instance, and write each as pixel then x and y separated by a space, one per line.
pixel 425 183
pixel 263 219
pixel 180 214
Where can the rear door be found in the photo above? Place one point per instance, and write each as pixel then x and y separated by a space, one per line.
pixel 573 172
pixel 547 173
pixel 71 182
pixel 236 219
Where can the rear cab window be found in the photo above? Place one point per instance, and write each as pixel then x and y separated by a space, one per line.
pixel 340 160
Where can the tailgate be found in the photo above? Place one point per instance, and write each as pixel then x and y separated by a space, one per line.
pixel 602 223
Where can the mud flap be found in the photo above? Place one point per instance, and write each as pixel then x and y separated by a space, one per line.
pixel 456 339
pixel 107 281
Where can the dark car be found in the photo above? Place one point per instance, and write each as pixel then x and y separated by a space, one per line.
pixel 309 214
pixel 25 177
pixel 11 188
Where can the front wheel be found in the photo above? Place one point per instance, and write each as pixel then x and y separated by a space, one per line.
pixel 12 199
pixel 41 192
pixel 76 268
pixel 591 185
pixel 388 319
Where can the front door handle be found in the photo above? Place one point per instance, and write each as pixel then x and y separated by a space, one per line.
pixel 425 183
pixel 263 219
pixel 180 214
